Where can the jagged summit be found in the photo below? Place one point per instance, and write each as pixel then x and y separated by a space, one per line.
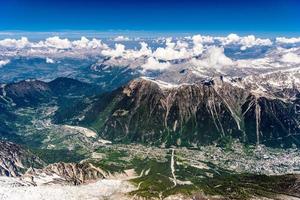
pixel 282 84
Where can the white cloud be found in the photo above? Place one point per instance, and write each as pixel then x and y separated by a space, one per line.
pixel 181 44
pixel 56 42
pixel 202 39
pixel 118 51
pixel 230 39
pixel 198 47
pixel 49 61
pixel 82 43
pixel 119 56
pixel 245 42
pixel 153 64
pixel 144 51
pixel 13 43
pixel 198 41
pixel 250 41
pixel 290 58
pixel 216 56
pixel 285 40
pixel 52 43
pixel 121 38
pixel 85 43
pixel 169 52
pixel 94 43
pixel 213 57
pixel 4 62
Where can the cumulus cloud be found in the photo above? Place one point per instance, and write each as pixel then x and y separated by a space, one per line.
pixel 216 56
pixel 4 62
pixel 118 51
pixel 290 58
pixel 230 39
pixel 285 40
pixel 250 41
pixel 201 50
pixel 213 57
pixel 197 42
pixel 202 39
pixel 121 38
pixel 58 43
pixel 94 43
pixel 245 42
pixel 49 61
pixel 181 44
pixel 144 51
pixel 13 43
pixel 170 52
pixel 82 43
pixel 53 42
pixel 85 43
pixel 154 64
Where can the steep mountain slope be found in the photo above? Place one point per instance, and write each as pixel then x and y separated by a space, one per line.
pixel 156 112
pixel 14 160
pixel 65 173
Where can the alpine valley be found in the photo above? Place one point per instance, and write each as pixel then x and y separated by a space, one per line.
pixel 195 117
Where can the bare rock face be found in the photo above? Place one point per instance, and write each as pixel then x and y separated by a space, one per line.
pixel 14 160
pixel 193 113
pixel 65 173
pixel 148 111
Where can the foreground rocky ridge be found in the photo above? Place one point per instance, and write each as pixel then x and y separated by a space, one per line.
pixel 141 172
pixel 14 160
pixel 65 173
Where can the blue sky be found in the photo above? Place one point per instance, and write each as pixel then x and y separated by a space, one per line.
pixel 212 17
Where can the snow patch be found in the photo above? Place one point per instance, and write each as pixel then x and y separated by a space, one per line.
pixel 161 84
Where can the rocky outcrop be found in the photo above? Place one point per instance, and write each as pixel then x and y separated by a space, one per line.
pixel 66 173
pixel 14 160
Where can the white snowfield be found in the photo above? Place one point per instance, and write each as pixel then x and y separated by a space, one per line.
pixel 11 189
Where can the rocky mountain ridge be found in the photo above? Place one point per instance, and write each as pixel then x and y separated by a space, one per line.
pixel 33 92
pixel 157 112
pixel 15 160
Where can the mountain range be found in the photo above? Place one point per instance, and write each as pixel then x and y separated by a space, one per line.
pixel 70 132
